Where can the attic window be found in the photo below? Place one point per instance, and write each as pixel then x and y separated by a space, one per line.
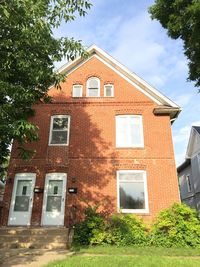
pixel 77 90
pixel 108 90
pixel 93 87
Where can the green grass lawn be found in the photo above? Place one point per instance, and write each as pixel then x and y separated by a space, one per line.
pixel 130 256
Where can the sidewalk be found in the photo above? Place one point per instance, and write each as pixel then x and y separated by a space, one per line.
pixel 31 257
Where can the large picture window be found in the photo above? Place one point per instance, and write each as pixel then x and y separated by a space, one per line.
pixel 59 130
pixel 129 131
pixel 132 191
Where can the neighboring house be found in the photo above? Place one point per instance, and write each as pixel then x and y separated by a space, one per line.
pixel 105 138
pixel 189 171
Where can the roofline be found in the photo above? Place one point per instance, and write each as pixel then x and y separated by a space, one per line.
pixel 153 92
pixel 190 141
pixel 185 164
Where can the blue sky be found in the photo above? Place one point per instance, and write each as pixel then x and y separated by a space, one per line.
pixel 124 30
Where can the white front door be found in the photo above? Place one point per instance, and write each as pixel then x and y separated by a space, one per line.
pixel 22 199
pixel 54 199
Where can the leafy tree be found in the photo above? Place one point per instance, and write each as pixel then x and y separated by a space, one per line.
pixel 28 51
pixel 181 18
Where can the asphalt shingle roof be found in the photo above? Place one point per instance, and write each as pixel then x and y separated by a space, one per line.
pixel 197 128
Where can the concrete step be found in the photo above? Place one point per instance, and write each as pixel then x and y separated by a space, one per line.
pixel 33 245
pixel 30 237
pixel 33 230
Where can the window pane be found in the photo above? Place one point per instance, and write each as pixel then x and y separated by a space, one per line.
pixel 21 203
pixel 77 91
pixel 128 131
pixel 93 83
pixel 53 203
pixel 55 187
pixel 59 137
pixel 60 123
pixel 122 132
pixel 108 89
pixel 135 133
pixel 92 92
pixel 132 195
pixel 131 177
pixel 23 187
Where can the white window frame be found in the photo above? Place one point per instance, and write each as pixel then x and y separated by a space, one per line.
pixel 188 182
pixel 77 85
pixel 143 211
pixel 129 117
pixel 87 91
pixel 112 89
pixel 51 128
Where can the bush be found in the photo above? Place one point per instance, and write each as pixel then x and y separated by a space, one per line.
pixel 126 230
pixel 85 230
pixel 177 226
pixel 120 230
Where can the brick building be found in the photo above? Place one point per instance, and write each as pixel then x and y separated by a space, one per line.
pixel 105 138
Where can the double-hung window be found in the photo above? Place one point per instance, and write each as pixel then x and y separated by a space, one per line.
pixel 129 131
pixel 188 182
pixel 59 130
pixel 77 90
pixel 132 191
pixel 93 87
pixel 108 90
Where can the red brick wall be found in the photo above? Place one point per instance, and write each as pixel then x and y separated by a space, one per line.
pixel 91 156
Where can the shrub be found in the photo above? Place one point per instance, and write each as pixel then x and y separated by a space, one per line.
pixel 177 226
pixel 122 230
pixel 86 229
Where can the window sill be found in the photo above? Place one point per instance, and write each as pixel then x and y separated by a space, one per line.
pixel 141 212
pixel 130 147
pixel 58 144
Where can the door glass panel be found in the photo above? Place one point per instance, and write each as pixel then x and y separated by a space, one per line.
pixel 21 203
pixel 23 193
pixel 53 203
pixel 54 195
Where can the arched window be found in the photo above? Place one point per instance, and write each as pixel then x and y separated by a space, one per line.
pixel 93 87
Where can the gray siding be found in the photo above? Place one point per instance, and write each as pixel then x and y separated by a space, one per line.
pixel 183 183
pixel 196 173
pixel 191 202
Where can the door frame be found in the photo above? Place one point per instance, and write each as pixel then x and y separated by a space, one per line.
pixel 54 176
pixel 22 176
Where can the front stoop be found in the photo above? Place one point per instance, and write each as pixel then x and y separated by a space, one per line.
pixel 32 237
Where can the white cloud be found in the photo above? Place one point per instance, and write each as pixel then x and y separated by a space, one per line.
pixel 180 139
pixel 183 134
pixel 143 46
pixel 179 158
pixel 184 99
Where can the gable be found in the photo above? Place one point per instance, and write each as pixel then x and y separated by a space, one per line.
pixel 123 90
pixel 165 105
pixel 193 144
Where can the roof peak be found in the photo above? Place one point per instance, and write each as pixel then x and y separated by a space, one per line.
pixel 131 77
